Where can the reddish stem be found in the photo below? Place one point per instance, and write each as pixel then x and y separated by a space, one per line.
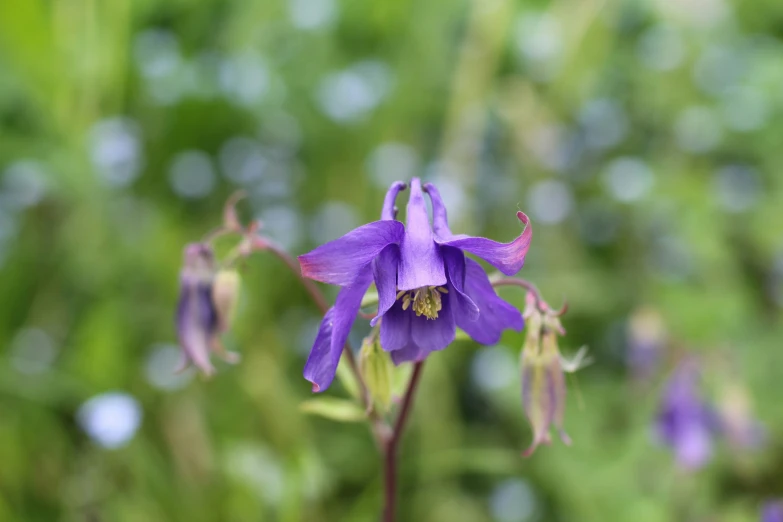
pixel 390 450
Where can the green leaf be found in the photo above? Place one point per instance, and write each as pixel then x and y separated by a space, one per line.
pixel 340 410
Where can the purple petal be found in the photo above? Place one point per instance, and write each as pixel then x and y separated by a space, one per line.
pixel 421 264
pixel 693 446
pixel 440 221
pixel 396 328
pixel 196 323
pixel 385 274
pixel 389 211
pixel 335 327
pixel 495 315
pixel 339 262
pixel 409 353
pixel 772 512
pixel 506 257
pixel 464 306
pixel 434 334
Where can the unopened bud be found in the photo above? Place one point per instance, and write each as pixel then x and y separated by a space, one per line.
pixel 205 305
pixel 225 295
pixel 542 367
pixel 376 367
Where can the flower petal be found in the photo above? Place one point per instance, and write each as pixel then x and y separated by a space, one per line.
pixel 339 262
pixel 396 328
pixel 421 263
pixel 409 353
pixel 434 334
pixel 440 221
pixel 464 307
pixel 495 315
pixel 506 257
pixel 196 324
pixel 384 269
pixel 333 332
pixel 389 211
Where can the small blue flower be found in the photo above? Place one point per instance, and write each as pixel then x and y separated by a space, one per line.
pixel 426 285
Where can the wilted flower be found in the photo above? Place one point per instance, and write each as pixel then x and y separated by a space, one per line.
pixel 205 306
pixel 772 512
pixel 543 378
pixel 685 422
pixel 426 285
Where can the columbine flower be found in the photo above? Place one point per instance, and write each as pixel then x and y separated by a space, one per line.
pixel 772 512
pixel 205 304
pixel 543 367
pixel 685 422
pixel 426 285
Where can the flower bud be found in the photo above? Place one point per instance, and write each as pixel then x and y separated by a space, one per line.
pixel 198 318
pixel 225 295
pixel 376 367
pixel 542 367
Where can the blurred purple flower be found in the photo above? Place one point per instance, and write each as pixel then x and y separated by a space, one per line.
pixel 204 308
pixel 685 422
pixel 772 511
pixel 646 342
pixel 426 286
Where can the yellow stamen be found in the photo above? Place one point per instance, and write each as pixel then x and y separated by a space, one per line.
pixel 425 301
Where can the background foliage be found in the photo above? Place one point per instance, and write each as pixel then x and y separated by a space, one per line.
pixel 642 137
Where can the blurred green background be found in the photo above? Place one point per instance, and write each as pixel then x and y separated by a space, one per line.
pixel 643 138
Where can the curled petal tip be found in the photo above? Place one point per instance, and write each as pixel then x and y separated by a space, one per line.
pixel 316 388
pixel 523 218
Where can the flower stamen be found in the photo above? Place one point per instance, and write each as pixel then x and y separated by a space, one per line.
pixel 426 301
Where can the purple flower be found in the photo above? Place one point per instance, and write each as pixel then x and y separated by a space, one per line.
pixel 685 422
pixel 204 308
pixel 426 286
pixel 772 512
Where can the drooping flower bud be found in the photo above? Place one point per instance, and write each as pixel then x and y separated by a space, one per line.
pixel 225 294
pixel 543 379
pixel 377 371
pixel 198 318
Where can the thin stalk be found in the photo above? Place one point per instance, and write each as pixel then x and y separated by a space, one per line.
pixel 517 281
pixel 392 444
